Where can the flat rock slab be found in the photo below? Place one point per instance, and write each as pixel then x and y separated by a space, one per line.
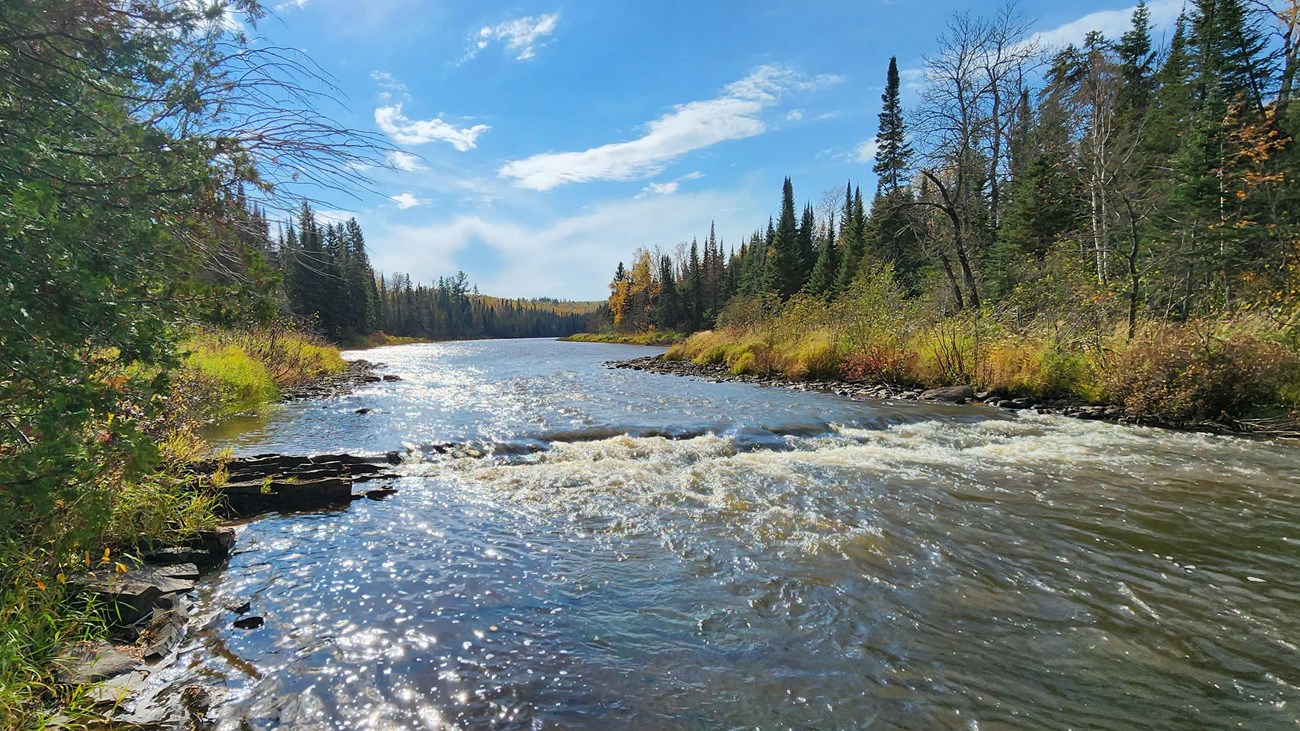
pixel 245 499
pixel 92 662
pixel 119 689
pixel 135 592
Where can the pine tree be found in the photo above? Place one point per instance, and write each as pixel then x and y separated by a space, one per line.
pixel 850 248
pixel 787 265
pixel 893 153
pixel 822 279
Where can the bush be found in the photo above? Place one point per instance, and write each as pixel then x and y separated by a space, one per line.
pixel 1178 374
pixel 1031 366
pixel 881 364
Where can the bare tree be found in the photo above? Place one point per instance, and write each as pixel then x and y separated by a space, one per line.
pixel 965 119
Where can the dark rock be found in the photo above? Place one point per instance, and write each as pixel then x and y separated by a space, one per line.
pixel 364 410
pixel 393 458
pixel 134 593
pixel 951 394
pixel 82 663
pixel 371 379
pixel 285 495
pixel 244 608
pixel 380 494
pixel 165 631
pixel 389 377
pixel 1021 403
pixel 253 622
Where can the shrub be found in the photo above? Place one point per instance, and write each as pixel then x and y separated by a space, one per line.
pixel 1178 374
pixel 1031 366
pixel 881 364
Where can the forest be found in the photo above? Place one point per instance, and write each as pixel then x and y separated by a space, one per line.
pixel 142 145
pixel 1114 221
pixel 326 284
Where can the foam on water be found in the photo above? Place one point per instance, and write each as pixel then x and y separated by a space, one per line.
pixel 602 549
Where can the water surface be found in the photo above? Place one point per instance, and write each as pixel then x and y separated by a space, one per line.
pixel 636 550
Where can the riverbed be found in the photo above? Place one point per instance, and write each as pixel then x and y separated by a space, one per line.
pixel 578 547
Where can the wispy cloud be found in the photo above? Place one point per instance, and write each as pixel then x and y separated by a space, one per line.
pixel 521 36
pixel 866 151
pixel 287 5
pixel 406 200
pixel 733 115
pixel 389 87
pixel 405 161
pixel 408 131
pixel 794 115
pixel 568 257
pixel 1110 23
pixel 669 187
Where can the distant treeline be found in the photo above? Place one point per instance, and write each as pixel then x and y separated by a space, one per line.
pixel 327 283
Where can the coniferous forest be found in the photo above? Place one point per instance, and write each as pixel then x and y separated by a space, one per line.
pixel 328 285
pixel 1116 220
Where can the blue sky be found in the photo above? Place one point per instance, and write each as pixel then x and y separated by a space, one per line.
pixel 542 142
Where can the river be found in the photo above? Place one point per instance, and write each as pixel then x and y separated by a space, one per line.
pixel 649 552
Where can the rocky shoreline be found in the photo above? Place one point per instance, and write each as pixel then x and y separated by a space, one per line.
pixel 1074 408
pixel 147 604
pixel 357 373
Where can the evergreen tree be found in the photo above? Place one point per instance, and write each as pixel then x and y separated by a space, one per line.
pixel 822 279
pixel 893 153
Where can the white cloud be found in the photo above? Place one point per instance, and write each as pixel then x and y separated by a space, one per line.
pixel 912 79
pixel 522 36
pixel 660 189
pixel 570 257
pixel 334 215
pixel 406 200
pixel 731 116
pixel 288 5
pixel 1110 23
pixel 794 115
pixel 408 131
pixel 866 151
pixel 389 87
pixel 668 188
pixel 405 161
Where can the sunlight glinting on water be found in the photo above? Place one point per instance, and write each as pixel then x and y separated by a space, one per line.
pixel 574 547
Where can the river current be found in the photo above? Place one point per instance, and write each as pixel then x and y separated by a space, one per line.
pixel 611 549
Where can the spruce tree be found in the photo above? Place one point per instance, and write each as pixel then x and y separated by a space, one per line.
pixel 787 266
pixel 893 154
pixel 822 279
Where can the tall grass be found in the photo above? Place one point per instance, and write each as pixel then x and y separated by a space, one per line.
pixel 139 500
pixel 1171 372
pixel 244 369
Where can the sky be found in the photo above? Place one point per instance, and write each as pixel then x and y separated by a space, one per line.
pixel 538 143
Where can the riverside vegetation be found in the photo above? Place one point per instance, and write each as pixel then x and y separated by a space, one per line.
pixel 142 145
pixel 1124 232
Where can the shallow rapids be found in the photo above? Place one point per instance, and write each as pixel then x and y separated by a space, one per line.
pixel 618 549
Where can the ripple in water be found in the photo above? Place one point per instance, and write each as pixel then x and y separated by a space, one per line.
pixel 669 553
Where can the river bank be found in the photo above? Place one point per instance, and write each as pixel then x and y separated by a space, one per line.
pixel 630 549
pixel 149 524
pixel 1275 428
pixel 652 338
